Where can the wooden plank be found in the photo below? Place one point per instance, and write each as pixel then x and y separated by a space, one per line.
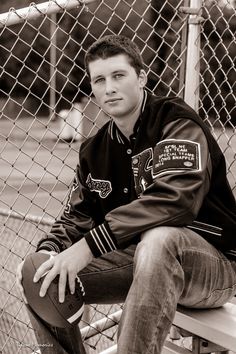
pixel 215 325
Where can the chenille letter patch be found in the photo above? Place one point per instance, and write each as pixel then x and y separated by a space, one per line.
pixel 174 155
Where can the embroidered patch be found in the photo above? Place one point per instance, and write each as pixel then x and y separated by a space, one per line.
pixel 101 186
pixel 73 188
pixel 142 170
pixel 176 155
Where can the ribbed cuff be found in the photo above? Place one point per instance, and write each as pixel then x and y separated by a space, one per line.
pixel 101 240
pixel 48 246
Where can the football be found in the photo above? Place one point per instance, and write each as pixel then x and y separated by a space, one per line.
pixel 48 307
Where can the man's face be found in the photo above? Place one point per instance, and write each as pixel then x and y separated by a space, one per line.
pixel 116 85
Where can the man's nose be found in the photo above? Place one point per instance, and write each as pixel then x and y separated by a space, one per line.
pixel 110 87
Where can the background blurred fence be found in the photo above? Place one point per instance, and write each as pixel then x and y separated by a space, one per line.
pixel 47 110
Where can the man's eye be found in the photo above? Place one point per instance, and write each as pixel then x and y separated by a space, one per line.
pixel 99 80
pixel 118 76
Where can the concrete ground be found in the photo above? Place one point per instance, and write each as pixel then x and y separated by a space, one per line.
pixel 37 165
pixel 36 168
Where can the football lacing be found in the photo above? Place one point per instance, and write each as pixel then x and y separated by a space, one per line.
pixel 80 285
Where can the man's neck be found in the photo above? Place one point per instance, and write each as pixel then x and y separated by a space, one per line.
pixel 126 124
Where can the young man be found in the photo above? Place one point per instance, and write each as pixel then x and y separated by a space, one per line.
pixel 151 219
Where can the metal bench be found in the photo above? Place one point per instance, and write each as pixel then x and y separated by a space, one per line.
pixel 211 331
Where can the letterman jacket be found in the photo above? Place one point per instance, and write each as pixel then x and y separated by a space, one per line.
pixel 170 173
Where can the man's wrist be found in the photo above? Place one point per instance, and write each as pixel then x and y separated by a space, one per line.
pixel 86 250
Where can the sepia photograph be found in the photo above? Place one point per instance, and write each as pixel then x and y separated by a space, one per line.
pixel 118 177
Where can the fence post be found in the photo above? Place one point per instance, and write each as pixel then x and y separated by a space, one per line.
pixel 192 79
pixel 53 61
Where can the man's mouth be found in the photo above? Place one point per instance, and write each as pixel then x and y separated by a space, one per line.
pixel 111 100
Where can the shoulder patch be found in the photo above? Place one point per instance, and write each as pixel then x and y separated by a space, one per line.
pixel 102 187
pixel 174 155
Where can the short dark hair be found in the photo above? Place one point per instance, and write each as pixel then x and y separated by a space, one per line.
pixel 111 45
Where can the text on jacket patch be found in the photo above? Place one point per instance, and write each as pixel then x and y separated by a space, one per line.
pixel 103 187
pixel 168 156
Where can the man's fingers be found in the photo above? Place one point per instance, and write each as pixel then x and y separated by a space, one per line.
pixel 62 285
pixel 43 269
pixel 48 270
pixel 51 275
pixel 72 280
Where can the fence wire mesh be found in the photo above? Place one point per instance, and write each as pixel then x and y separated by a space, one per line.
pixel 47 110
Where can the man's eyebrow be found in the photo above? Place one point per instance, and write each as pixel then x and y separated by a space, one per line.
pixel 119 71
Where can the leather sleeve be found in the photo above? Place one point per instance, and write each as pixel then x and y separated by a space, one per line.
pixel 75 221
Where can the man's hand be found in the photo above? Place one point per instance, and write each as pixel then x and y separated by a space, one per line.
pixel 67 264
pixel 19 275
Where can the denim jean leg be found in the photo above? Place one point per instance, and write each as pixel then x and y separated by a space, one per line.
pixel 210 277
pixel 53 340
pixel 152 300
pixel 106 280
pixel 171 266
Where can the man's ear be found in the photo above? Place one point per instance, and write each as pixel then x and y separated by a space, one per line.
pixel 142 78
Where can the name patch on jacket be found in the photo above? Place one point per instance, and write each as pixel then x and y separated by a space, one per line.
pixel 176 155
pixel 102 187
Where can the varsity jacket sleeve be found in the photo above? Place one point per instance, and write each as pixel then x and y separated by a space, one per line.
pixel 75 221
pixel 173 199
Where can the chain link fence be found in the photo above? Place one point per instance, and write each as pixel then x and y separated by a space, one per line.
pixel 47 110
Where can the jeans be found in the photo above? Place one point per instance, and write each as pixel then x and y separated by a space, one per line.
pixel 169 266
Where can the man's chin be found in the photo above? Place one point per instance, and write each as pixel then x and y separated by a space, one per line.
pixel 113 113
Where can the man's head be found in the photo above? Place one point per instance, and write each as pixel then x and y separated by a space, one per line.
pixel 113 45
pixel 117 76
